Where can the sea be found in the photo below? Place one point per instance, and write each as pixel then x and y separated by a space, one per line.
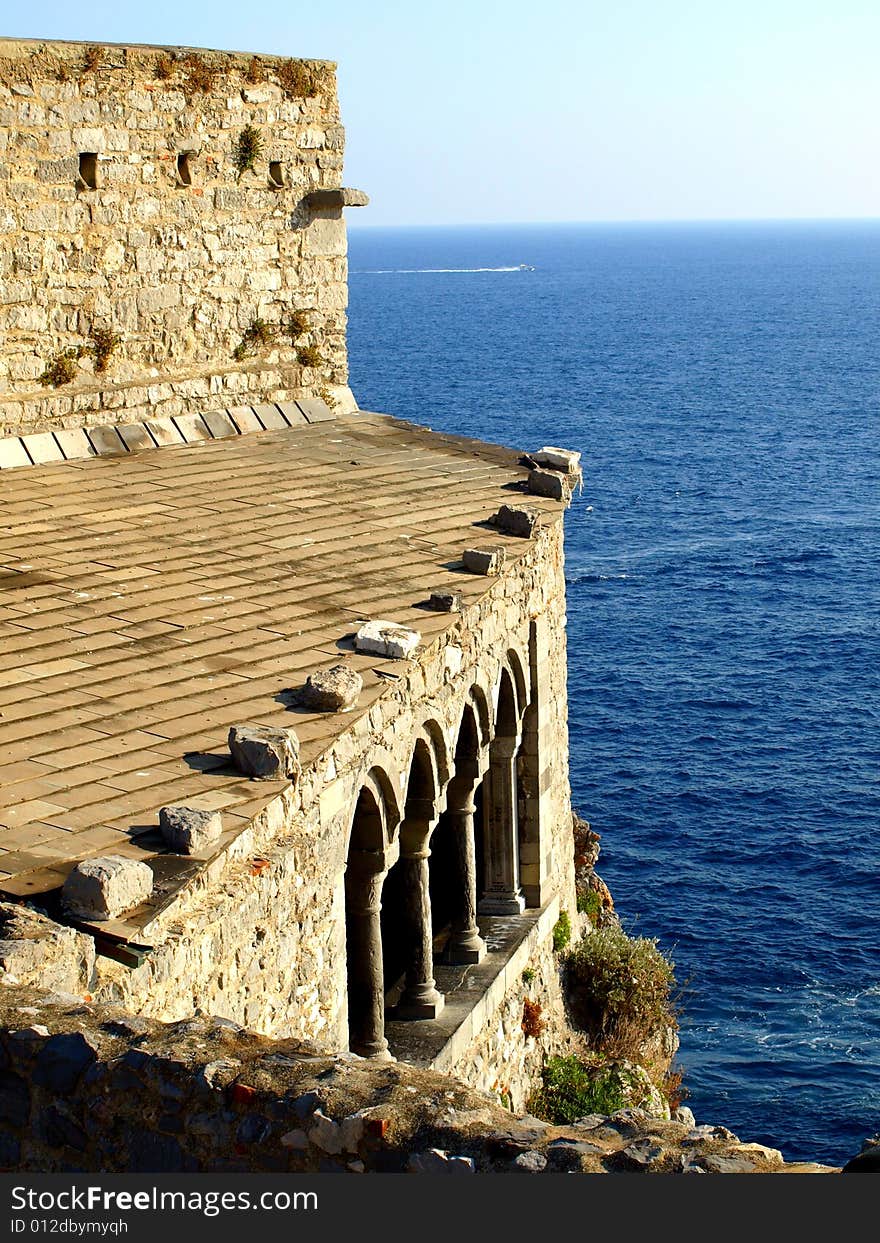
pixel 722 383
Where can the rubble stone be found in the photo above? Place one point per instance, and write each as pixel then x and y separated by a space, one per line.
pixel 107 886
pixel 263 752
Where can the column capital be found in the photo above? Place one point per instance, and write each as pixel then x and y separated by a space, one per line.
pixel 504 746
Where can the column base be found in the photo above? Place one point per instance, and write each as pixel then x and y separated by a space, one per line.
pixel 375 1050
pixel 502 904
pixel 426 1006
pixel 471 949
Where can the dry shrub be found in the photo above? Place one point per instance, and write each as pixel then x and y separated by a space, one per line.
pixel 620 991
pixel 532 1023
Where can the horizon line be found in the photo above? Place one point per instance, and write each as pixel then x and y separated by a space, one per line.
pixel 355 226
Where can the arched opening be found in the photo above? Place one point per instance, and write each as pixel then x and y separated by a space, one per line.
pixel 457 840
pixel 407 926
pixel 364 874
pixel 502 894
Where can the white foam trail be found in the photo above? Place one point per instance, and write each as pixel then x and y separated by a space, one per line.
pixel 426 271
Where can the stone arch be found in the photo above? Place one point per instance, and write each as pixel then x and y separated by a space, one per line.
pixel 382 785
pixel 516 666
pixel 502 894
pixel 533 819
pixel 430 735
pixel 406 916
pixel 371 842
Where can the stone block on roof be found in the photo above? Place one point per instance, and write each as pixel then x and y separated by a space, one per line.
pixel 189 829
pixel 105 887
pixel 264 752
pixel 489 561
pixel 516 520
pixel 332 690
pixel 387 638
pixel 549 483
pixel 566 460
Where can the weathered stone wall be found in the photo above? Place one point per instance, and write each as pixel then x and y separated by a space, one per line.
pixel 516 1024
pixel 264 944
pixel 91 1088
pixel 178 273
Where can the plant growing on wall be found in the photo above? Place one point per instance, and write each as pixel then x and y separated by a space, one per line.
pixel 532 1023
pixel 309 356
pixel 92 59
pixel 163 67
pixel 200 76
pixel 248 149
pixel 562 931
pixel 61 369
pixel 102 344
pixel 258 334
pixel 297 80
pixel 254 73
pixel 297 325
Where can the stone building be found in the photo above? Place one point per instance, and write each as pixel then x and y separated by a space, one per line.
pixel 282 682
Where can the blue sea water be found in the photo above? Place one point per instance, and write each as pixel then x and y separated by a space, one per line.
pixel 723 385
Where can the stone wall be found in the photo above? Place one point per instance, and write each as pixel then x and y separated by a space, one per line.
pixel 91 1088
pixel 263 943
pixel 516 1024
pixel 180 276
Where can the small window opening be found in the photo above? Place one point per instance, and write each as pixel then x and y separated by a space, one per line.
pixel 184 172
pixel 276 174
pixel 88 171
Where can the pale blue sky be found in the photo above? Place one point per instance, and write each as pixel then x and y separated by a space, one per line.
pixel 550 110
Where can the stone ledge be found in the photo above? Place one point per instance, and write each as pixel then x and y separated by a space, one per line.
pixel 74 444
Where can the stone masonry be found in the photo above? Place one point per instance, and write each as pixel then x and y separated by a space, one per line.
pixel 185 204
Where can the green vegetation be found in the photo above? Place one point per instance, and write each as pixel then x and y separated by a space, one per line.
pixel 103 343
pixel 61 369
pixel 571 1089
pixel 620 991
pixel 589 904
pixel 309 356
pixel 248 149
pixel 562 932
pixel 297 325
pixel 258 335
pixel 528 975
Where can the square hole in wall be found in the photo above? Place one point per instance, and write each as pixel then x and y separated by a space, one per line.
pixel 184 169
pixel 87 178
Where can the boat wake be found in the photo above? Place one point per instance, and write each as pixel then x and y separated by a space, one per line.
pixel 520 267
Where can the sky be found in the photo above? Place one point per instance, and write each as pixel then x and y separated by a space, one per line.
pixel 553 110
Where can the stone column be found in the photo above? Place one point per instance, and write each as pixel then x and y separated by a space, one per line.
pixel 465 944
pixel 419 999
pixel 364 877
pixel 502 895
